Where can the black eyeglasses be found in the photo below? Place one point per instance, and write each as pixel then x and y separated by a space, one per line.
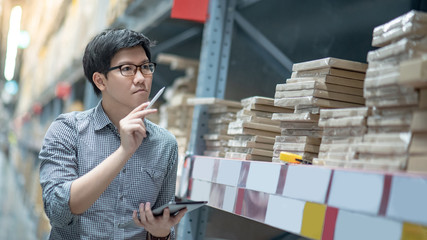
pixel 129 70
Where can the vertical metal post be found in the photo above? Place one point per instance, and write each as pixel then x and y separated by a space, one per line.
pixel 213 68
pixel 193 225
pixel 57 107
pixel 211 82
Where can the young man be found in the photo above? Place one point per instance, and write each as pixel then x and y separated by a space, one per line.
pixel 100 165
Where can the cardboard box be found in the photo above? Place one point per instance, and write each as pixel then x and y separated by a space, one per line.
pixel 418 144
pixel 411 24
pixel 331 62
pixel 328 71
pixel 419 121
pixel 417 164
pixel 414 72
pixel 326 78
pixel 314 101
pixel 423 99
pixel 317 85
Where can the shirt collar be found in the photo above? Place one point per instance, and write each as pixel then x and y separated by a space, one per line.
pixel 101 119
pixel 149 126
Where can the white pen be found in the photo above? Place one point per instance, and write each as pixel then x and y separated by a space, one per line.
pixel 155 98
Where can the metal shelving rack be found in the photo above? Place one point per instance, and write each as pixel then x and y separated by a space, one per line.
pixel 313 202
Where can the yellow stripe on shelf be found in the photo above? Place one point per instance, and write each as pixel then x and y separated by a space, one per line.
pixel 412 231
pixel 312 221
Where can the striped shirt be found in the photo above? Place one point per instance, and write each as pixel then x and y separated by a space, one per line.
pixel 77 142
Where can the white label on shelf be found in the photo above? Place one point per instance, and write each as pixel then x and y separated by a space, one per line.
pixel 229 199
pixel 229 172
pixel 263 177
pixel 200 190
pixel 307 183
pixel 356 191
pixel 203 168
pixel 356 226
pixel 408 199
pixel 285 213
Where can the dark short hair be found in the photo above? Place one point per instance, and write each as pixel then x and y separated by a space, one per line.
pixel 102 48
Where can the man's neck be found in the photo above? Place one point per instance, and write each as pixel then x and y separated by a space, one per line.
pixel 115 113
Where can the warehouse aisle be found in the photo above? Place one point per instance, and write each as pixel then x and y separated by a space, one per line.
pixel 15 217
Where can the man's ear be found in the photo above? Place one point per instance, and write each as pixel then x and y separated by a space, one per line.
pixel 98 79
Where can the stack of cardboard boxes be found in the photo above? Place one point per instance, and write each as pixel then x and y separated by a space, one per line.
pixel 176 115
pixel 253 130
pixel 343 129
pixel 391 89
pixel 314 85
pixel 221 114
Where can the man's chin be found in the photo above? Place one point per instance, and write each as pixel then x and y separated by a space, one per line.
pixel 138 103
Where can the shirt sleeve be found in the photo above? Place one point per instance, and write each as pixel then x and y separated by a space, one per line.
pixel 58 169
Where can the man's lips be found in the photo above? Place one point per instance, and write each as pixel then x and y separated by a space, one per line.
pixel 140 90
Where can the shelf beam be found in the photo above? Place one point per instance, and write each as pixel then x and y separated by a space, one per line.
pixel 258 37
pixel 176 40
pixel 314 201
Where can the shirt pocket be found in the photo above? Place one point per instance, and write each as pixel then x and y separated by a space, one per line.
pixel 153 175
pixel 150 183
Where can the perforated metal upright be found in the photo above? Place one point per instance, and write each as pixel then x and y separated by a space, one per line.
pixel 211 82
pixel 213 68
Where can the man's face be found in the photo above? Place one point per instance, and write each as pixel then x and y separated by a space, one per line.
pixel 127 91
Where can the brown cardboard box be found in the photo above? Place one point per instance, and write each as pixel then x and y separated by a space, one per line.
pixel 423 98
pixel 329 75
pixel 419 121
pixel 417 163
pixel 418 144
pixel 414 72
pixel 331 62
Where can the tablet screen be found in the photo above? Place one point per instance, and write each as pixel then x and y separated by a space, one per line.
pixel 174 207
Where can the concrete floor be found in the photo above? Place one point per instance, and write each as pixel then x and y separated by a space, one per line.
pixel 16 220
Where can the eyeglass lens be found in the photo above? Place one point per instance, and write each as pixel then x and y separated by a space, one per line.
pixel 130 70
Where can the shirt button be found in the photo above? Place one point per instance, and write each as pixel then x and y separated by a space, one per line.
pixel 121 197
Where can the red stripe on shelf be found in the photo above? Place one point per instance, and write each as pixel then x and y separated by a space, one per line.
pixel 329 224
pixel 190 185
pixel 329 186
pixel 282 179
pixel 239 201
pixel 244 171
pixel 386 194
pixel 255 205
pixel 215 170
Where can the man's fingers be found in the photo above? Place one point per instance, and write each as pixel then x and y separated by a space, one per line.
pixel 142 113
pixel 142 216
pixel 148 213
pixel 136 128
pixel 140 107
pixel 135 219
pixel 166 212
pixel 178 217
pixel 141 135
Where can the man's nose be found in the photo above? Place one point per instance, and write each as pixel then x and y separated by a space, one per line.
pixel 139 77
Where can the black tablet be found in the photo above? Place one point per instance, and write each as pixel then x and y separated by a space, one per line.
pixel 174 207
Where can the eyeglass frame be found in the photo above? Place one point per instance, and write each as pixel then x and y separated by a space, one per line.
pixel 136 69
